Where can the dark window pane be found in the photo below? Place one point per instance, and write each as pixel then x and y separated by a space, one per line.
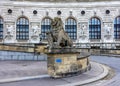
pixel 117 28
pixel 1 28
pixel 95 28
pixel 45 27
pixel 22 29
pixel 71 28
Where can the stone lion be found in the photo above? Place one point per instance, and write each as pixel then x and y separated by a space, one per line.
pixel 57 37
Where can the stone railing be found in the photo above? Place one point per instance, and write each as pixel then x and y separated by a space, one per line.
pixel 98 45
pixel 16 48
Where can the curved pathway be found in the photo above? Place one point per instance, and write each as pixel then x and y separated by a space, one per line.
pixel 26 69
pixel 111 61
pixel 114 63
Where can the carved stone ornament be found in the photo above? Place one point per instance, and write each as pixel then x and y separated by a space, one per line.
pixel 35 33
pixel 9 32
pixel 107 32
pixel 83 31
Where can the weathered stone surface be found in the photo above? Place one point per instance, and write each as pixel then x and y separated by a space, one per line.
pixel 57 37
pixel 16 48
pixel 62 64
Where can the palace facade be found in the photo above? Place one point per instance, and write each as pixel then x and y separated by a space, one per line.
pixel 85 22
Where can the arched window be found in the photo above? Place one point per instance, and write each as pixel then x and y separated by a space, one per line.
pixel 1 28
pixel 117 28
pixel 45 26
pixel 95 28
pixel 22 29
pixel 71 28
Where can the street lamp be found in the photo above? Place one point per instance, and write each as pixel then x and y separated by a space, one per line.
pixel 40 35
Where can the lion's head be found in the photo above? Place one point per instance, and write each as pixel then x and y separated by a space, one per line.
pixel 56 22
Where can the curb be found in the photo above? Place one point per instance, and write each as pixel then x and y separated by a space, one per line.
pixel 110 55
pixel 23 78
pixel 101 76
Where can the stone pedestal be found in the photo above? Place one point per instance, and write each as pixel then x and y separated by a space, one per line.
pixel 67 63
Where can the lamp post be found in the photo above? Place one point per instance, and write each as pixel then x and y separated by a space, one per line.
pixel 40 35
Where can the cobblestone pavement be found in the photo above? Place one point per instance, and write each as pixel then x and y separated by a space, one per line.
pixel 114 63
pixel 40 68
pixel 14 69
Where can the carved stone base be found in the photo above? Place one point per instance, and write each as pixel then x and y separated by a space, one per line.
pixel 66 63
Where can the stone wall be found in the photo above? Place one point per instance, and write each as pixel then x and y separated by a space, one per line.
pixel 21 56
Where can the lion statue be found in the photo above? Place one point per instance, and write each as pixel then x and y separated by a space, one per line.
pixel 57 37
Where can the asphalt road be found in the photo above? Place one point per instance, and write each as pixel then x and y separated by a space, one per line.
pixel 111 61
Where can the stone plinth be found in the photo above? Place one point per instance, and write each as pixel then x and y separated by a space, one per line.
pixel 62 64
